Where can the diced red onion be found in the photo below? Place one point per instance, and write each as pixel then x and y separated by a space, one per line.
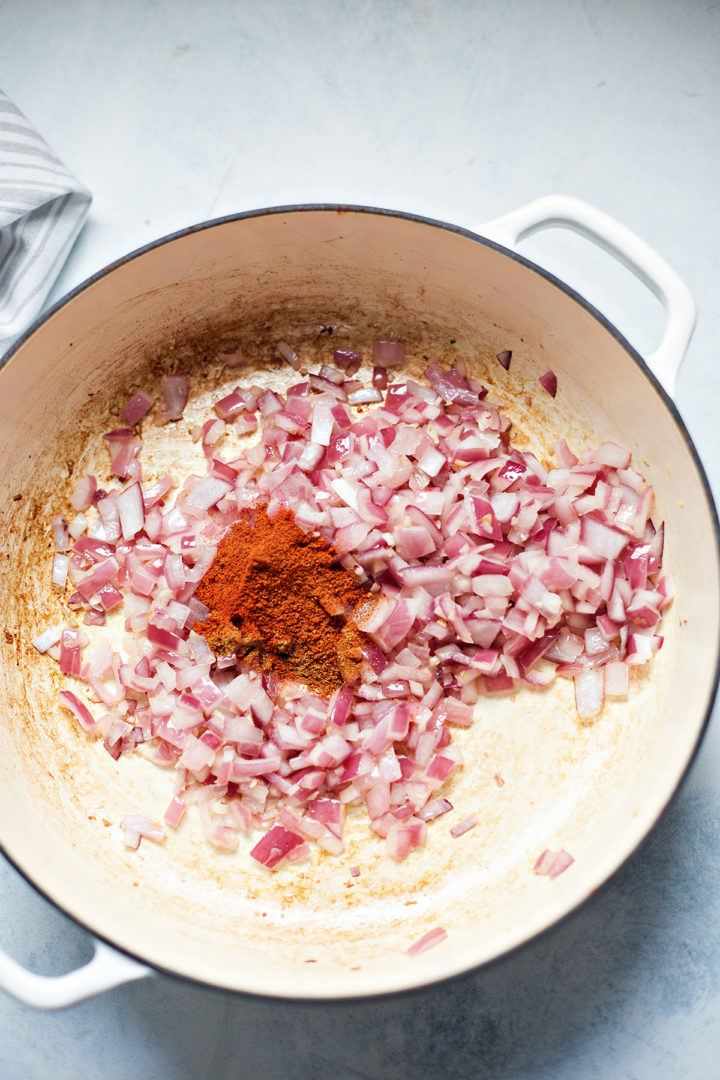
pixel 347 358
pixel 609 453
pixel 388 353
pixel 601 539
pixel 234 359
pixel 60 533
pixel 289 355
pixel 80 711
pixel 322 425
pixel 141 824
pixel 365 396
pixel 164 639
pixel 553 863
pixel 275 846
pixel 123 448
pixel 208 492
pixel 47 639
pixel 137 407
pixel 174 390
pixel 131 511
pixel 230 406
pixel 589 692
pixel 78 526
pixel 549 382
pixel 484 570
pixel 617 679
pixel 60 570
pixel 311 456
pixel 83 493
pixel 432 461
pixel 435 808
pixel 427 941
pixel 464 826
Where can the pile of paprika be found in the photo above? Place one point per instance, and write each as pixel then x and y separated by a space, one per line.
pixel 281 599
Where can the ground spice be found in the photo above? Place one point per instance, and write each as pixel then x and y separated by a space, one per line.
pixel 280 598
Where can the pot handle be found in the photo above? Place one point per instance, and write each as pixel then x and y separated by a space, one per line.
pixel 107 969
pixel 564 211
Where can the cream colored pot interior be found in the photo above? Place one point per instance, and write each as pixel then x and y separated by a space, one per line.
pixel 536 777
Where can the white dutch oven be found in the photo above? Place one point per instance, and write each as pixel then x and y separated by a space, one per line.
pixel 313 930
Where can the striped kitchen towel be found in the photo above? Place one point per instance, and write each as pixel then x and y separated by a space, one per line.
pixel 42 209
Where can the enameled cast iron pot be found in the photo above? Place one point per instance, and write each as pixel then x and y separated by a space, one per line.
pixel 313 930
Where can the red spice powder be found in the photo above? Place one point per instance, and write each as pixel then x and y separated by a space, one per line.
pixel 280 598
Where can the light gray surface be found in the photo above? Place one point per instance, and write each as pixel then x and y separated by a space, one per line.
pixel 175 112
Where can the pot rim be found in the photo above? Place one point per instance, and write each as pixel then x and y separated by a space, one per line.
pixel 350 208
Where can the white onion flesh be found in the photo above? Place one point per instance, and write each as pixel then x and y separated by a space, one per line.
pixel 47 639
pixel 61 564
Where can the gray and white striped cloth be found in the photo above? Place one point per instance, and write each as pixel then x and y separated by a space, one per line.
pixel 42 209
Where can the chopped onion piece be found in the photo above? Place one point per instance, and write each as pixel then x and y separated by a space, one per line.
pixel 275 846
pixel 47 639
pixel 208 492
pixel 388 353
pixel 81 712
pixel 609 453
pixel 347 357
pixel 78 526
pixel 131 510
pixel 549 382
pixel 435 808
pixel 137 407
pixel 464 826
pixel 365 396
pixel 553 863
pixel 60 570
pixel 617 679
pixel 433 937
pixel 311 456
pixel 589 692
pixel 83 493
pixel 143 826
pixel 289 355
pixel 60 532
pixel 175 390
